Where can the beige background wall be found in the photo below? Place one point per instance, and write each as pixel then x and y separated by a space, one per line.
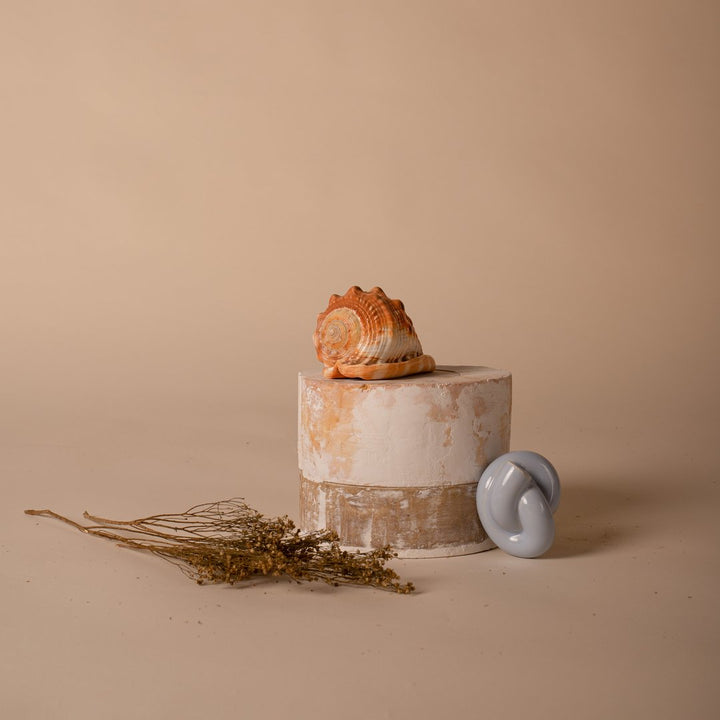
pixel 183 184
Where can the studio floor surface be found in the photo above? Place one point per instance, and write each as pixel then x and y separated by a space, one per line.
pixel 619 619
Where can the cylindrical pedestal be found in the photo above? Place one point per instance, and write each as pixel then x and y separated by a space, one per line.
pixel 397 462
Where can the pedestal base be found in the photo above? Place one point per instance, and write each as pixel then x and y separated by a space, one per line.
pixel 417 522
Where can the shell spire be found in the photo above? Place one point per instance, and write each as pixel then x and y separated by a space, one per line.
pixel 368 335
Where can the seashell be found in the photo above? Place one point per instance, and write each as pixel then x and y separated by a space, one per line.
pixel 367 335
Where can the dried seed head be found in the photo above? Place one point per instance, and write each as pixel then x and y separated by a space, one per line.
pixel 228 542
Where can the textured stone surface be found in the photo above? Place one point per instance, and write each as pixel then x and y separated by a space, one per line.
pixel 422 521
pixel 397 462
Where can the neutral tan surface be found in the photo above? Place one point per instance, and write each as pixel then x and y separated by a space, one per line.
pixel 183 185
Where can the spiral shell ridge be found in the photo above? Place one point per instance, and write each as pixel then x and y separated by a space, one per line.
pixel 368 335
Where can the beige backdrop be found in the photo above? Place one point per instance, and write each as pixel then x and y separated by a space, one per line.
pixel 184 184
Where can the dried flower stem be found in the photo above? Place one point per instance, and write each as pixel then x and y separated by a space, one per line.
pixel 228 542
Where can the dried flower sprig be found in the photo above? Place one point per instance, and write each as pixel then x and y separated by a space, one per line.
pixel 228 542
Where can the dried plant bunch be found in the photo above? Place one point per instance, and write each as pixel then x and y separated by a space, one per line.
pixel 229 542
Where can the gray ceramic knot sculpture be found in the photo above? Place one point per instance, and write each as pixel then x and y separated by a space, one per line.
pixel 516 498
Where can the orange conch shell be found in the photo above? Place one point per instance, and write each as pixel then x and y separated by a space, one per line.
pixel 367 335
